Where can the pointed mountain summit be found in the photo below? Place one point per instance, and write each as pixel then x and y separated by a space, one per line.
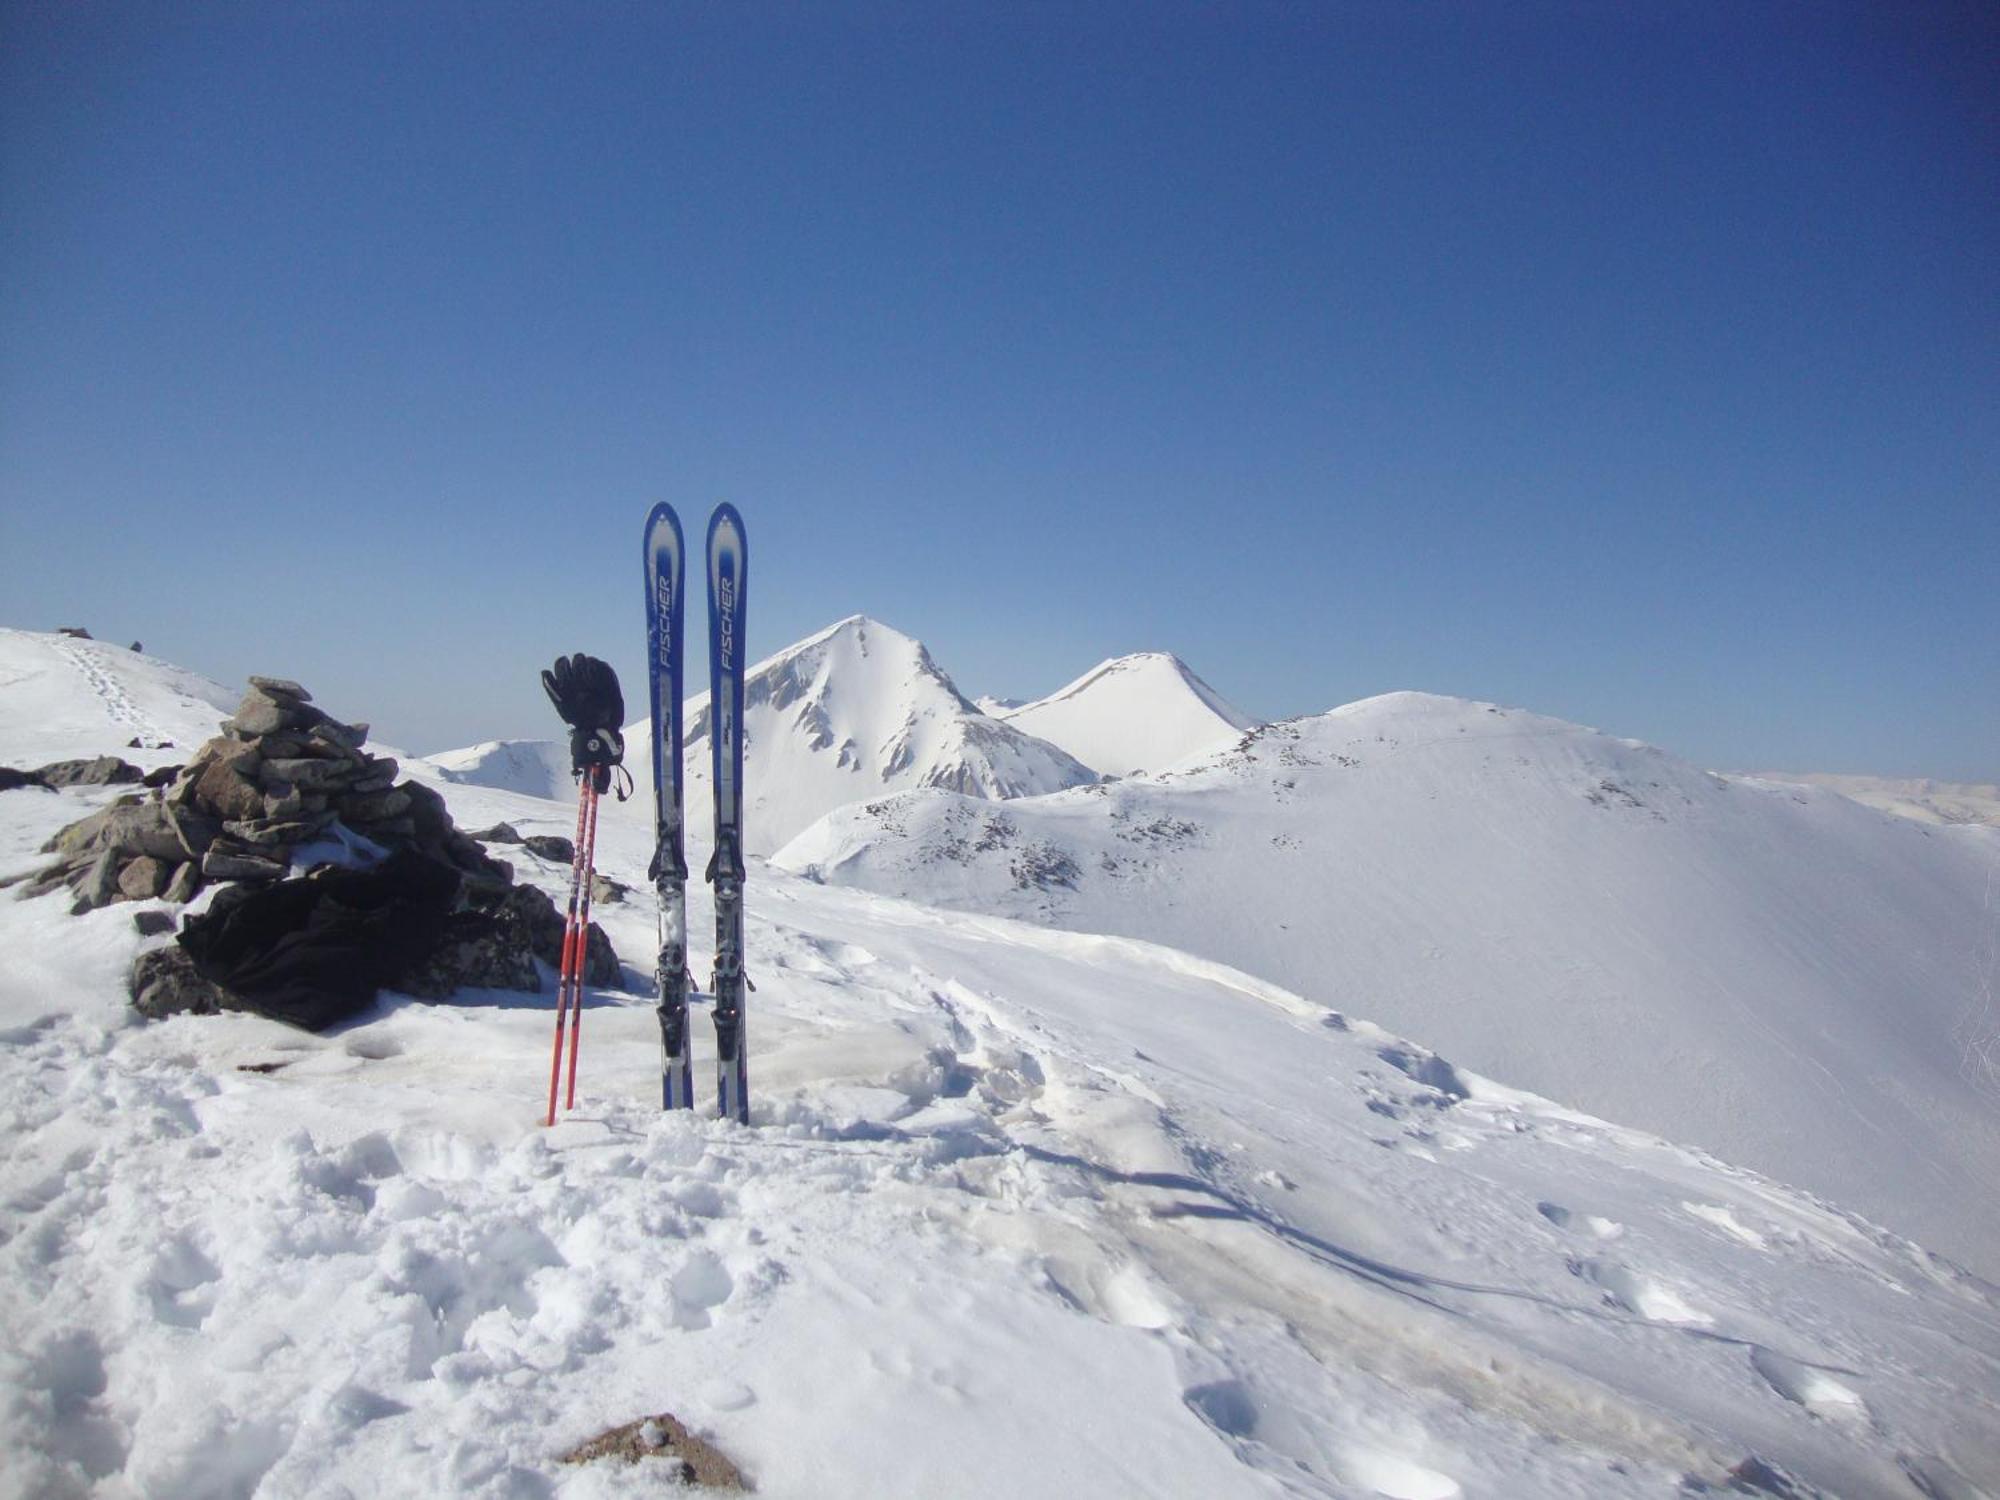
pixel 855 712
pixel 1134 713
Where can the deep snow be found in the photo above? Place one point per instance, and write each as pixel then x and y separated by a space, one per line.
pixel 1020 1212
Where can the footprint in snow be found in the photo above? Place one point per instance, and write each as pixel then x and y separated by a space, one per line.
pixel 1226 1405
pixel 1591 1224
pixel 1635 1293
pixel 701 1284
pixel 825 957
pixel 1127 1297
pixel 1809 1386
pixel 180 1283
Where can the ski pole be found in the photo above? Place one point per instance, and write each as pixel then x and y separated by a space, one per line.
pixel 568 968
pixel 583 934
pixel 585 693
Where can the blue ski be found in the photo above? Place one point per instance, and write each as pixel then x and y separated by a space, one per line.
pixel 728 567
pixel 666 651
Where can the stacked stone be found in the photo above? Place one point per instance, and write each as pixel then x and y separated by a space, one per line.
pixel 276 779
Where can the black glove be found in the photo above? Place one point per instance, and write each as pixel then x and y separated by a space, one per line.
pixel 585 692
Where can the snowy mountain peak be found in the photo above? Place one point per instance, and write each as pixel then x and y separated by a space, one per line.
pixel 855 711
pixel 871 661
pixel 1141 712
pixel 859 710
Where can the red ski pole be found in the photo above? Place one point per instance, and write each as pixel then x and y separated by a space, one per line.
pixel 585 796
pixel 585 693
pixel 582 963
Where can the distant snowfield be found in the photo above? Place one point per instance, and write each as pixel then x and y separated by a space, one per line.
pixel 1917 798
pixel 1021 1211
pixel 1772 972
pixel 535 768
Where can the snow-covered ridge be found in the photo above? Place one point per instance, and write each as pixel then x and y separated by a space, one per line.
pixel 1776 973
pixel 1019 1212
pixel 534 768
pixel 853 711
pixel 66 698
pixel 1916 797
pixel 1142 712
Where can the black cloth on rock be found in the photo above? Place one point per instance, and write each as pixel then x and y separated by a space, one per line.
pixel 315 950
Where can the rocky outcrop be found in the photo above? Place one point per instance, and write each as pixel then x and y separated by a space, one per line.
pixel 103 770
pixel 285 788
pixel 165 983
pixel 284 779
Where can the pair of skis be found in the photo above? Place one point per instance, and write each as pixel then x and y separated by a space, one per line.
pixel 666 650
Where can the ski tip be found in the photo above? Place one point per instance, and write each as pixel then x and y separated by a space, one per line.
pixel 662 514
pixel 726 516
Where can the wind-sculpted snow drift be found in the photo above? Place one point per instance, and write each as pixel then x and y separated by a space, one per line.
pixel 1019 1212
pixel 1778 974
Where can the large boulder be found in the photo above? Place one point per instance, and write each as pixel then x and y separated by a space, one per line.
pixel 133 826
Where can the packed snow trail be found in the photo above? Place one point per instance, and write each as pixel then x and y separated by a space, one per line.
pixel 67 698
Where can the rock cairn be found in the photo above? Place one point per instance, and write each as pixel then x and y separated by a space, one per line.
pixel 283 787
pixel 277 780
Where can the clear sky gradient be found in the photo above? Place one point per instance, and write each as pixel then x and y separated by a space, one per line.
pixel 1639 365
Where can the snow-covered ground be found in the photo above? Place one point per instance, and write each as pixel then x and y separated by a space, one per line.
pixel 1774 973
pixel 1918 798
pixel 1144 712
pixel 538 768
pixel 62 698
pixel 1020 1211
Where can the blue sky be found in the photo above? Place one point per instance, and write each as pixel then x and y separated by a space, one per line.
pixel 1641 368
